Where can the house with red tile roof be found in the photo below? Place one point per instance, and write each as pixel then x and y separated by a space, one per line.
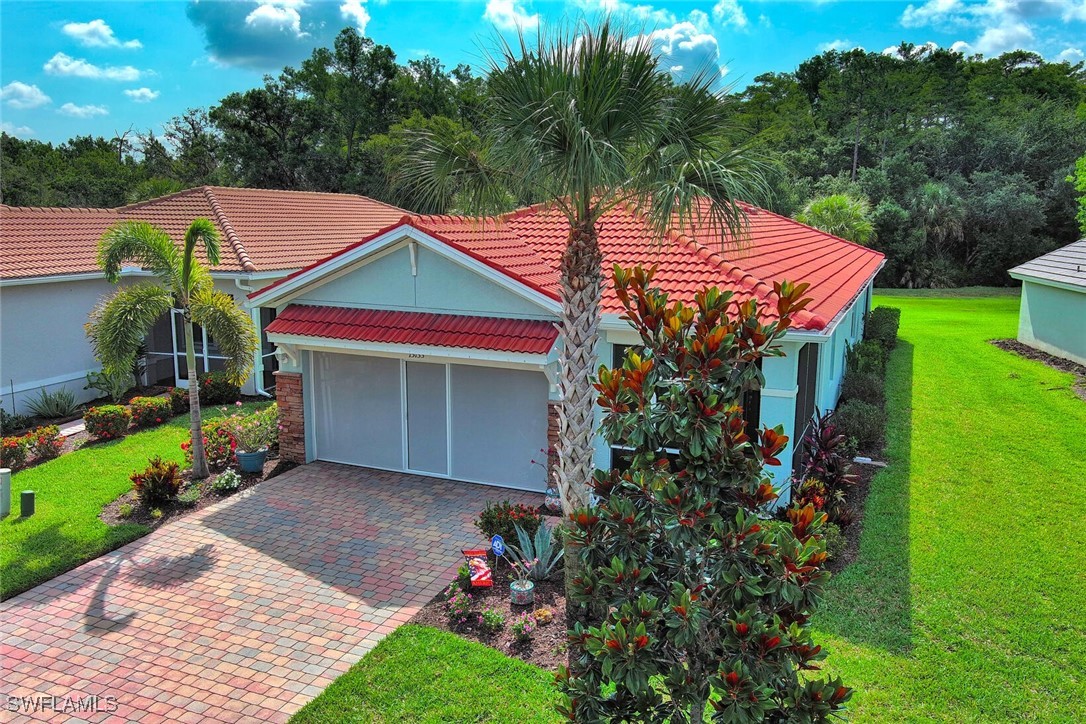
pixel 430 346
pixel 50 278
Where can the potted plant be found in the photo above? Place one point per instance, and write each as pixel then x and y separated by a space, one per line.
pixel 253 435
pixel 522 588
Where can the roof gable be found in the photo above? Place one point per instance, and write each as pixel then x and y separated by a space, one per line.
pixel 1065 267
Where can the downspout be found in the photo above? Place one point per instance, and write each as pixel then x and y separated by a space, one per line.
pixel 258 363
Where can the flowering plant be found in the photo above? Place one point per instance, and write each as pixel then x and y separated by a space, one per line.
pixel 219 444
pixel 522 569
pixel 107 422
pixel 502 519
pixel 150 411
pixel 523 627
pixel 46 442
pixel 458 607
pixel 14 451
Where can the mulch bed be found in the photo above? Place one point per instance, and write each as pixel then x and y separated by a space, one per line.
pixel 141 514
pixel 1056 363
pixel 856 500
pixel 547 647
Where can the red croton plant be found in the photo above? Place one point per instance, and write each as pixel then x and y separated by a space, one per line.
pixel 702 602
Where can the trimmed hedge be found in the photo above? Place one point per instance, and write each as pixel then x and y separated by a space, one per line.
pixel 107 422
pixel 866 386
pixel 179 399
pixel 862 421
pixel 881 326
pixel 150 411
pixel 866 357
pixel 217 389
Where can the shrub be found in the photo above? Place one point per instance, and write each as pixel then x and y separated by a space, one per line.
pixel 491 620
pixel 881 326
pixel 665 542
pixel 867 357
pixel 157 513
pixel 150 411
pixel 228 482
pixel 502 519
pixel 179 399
pixel 11 422
pixel 217 389
pixel 458 608
pixel 463 577
pixel 190 497
pixel 51 405
pixel 112 386
pixel 107 422
pixel 46 442
pixel 158 483
pixel 539 554
pixel 861 420
pixel 257 431
pixel 219 445
pixel 13 452
pixel 826 471
pixel 834 539
pixel 523 627
pixel 125 510
pixel 866 386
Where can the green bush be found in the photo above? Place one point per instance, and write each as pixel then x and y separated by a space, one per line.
pixel 179 399
pixel 492 620
pixel 150 411
pixel 835 540
pixel 14 452
pixel 52 405
pixel 217 389
pixel 881 326
pixel 45 442
pixel 866 386
pixel 107 422
pixel 158 483
pixel 868 356
pixel 219 444
pixel 503 518
pixel 112 386
pixel 861 420
pixel 227 483
pixel 10 422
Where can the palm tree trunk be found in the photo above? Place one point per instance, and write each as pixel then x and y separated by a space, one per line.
pixel 581 277
pixel 199 457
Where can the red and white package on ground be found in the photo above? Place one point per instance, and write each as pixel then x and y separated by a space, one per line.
pixel 479 568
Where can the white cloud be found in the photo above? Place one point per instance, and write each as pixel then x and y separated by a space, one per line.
pixel 62 64
pixel 894 51
pixel 96 34
pixel 71 109
pixel 1002 38
pixel 12 130
pixel 1000 25
pixel 142 95
pixel 354 11
pixel 687 51
pixel 838 45
pixel 510 15
pixel 1070 55
pixel 728 12
pixel 960 46
pixel 272 16
pixel 23 96
pixel 933 12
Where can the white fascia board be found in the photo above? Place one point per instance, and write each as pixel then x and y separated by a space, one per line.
pixel 460 355
pixel 1047 282
pixel 403 233
pixel 618 331
pixel 90 276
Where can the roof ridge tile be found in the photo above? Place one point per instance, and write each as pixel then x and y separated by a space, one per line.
pixel 231 235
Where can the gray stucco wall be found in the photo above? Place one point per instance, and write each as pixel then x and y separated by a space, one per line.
pixel 1053 319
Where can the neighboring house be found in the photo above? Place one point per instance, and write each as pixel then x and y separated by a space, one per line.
pixel 1052 317
pixel 430 346
pixel 50 279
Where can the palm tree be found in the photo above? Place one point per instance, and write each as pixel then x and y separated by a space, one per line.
pixel 590 121
pixel 844 216
pixel 942 214
pixel 120 323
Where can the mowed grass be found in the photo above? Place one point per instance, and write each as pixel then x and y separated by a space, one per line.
pixel 65 530
pixel 420 674
pixel 967 602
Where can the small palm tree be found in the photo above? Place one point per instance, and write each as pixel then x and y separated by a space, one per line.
pixel 120 323
pixel 842 215
pixel 942 214
pixel 590 121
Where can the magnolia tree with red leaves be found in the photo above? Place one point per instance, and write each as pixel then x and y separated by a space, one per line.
pixel 702 601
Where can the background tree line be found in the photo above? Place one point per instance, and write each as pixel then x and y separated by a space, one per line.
pixel 957 168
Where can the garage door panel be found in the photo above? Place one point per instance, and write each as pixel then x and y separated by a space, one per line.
pixel 427 418
pixel 499 425
pixel 358 410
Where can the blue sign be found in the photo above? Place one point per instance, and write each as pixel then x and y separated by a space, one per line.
pixel 497 545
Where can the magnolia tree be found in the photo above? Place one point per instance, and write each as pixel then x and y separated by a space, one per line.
pixel 703 604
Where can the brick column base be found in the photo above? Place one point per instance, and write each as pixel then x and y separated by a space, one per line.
pixel 552 440
pixel 288 395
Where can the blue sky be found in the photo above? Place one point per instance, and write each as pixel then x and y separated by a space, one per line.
pixel 70 68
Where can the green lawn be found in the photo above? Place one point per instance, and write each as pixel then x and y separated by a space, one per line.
pixel 71 490
pixel 967 600
pixel 420 674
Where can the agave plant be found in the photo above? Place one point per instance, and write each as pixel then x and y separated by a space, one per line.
pixel 537 554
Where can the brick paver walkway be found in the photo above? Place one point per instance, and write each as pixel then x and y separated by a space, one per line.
pixel 245 610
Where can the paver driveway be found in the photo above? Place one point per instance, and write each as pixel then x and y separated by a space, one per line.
pixel 247 609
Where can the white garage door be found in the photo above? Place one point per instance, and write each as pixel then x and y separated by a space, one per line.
pixel 480 424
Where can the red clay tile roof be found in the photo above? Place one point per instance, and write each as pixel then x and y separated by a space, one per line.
pixel 421 328
pixel 262 230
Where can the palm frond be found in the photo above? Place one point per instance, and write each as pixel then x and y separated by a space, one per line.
pixel 141 243
pixel 230 327
pixel 121 321
pixel 200 230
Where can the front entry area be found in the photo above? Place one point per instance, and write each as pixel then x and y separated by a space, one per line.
pixel 443 419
